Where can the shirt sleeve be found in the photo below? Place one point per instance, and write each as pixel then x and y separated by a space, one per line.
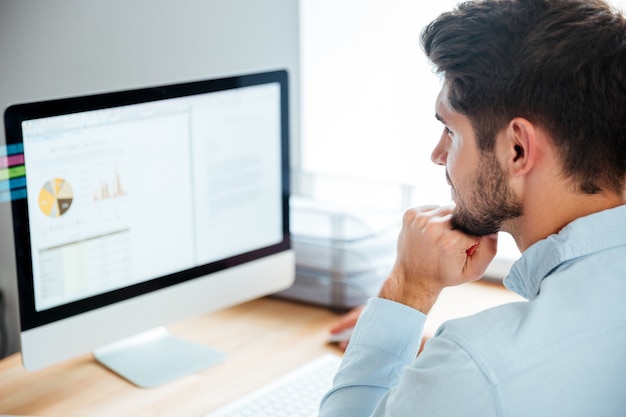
pixel 380 375
pixel 385 340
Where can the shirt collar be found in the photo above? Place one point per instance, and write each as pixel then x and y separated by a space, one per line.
pixel 583 236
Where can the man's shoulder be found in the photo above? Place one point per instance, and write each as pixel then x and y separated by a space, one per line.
pixel 494 324
pixel 512 338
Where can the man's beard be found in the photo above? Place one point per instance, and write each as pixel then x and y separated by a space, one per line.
pixel 490 203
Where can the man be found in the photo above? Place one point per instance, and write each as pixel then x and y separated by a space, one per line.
pixel 534 144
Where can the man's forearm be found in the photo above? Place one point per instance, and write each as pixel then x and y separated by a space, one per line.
pixel 386 339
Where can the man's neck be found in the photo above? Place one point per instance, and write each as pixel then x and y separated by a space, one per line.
pixel 548 213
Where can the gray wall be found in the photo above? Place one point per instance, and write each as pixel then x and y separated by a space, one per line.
pixel 60 48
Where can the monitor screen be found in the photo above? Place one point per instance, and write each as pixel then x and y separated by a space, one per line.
pixel 116 196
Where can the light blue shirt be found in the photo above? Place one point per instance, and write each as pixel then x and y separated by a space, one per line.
pixel 561 353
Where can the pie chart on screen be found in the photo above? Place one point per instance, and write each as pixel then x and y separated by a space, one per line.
pixel 55 197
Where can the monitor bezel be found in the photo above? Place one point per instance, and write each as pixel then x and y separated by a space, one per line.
pixel 15 115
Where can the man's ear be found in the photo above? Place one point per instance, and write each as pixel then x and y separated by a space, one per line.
pixel 519 147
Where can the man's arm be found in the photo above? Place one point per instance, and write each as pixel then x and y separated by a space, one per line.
pixel 431 256
pixel 375 358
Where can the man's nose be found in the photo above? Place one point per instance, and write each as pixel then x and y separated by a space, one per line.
pixel 440 153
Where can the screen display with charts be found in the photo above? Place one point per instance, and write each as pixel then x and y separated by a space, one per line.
pixel 129 192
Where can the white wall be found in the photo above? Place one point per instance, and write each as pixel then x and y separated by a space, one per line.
pixel 61 48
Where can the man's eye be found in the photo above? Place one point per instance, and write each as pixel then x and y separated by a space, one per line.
pixel 448 131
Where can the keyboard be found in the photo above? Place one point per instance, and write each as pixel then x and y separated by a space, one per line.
pixel 296 394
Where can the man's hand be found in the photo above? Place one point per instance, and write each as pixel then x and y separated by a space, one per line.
pixel 346 324
pixel 432 255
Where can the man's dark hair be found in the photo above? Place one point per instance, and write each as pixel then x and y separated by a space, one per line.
pixel 559 63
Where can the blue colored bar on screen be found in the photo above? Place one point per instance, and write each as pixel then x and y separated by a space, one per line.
pixel 13 183
pixel 11 149
pixel 11 195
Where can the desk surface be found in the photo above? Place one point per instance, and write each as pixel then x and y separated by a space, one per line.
pixel 263 339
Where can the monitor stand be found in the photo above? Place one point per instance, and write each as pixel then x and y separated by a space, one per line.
pixel 156 357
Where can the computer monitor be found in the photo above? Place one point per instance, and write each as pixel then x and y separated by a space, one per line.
pixel 135 209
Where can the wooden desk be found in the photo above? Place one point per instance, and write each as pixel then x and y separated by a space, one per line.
pixel 264 339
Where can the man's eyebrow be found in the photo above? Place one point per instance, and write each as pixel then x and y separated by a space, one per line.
pixel 438 117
